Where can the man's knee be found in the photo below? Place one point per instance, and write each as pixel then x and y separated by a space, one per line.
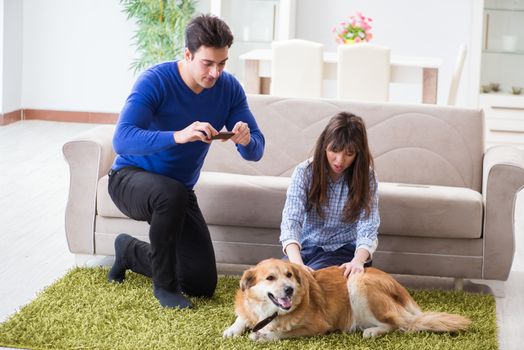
pixel 201 287
pixel 171 196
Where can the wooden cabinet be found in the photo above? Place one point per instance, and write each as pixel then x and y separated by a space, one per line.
pixel 504 115
pixel 502 66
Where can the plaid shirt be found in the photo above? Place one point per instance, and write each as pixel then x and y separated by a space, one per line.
pixel 308 229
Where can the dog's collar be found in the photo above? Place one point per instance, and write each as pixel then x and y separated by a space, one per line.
pixel 264 322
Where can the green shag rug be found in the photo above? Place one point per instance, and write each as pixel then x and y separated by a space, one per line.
pixel 83 311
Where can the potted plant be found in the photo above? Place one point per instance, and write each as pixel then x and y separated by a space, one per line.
pixel 161 26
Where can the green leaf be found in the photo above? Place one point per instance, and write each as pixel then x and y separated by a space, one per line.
pixel 161 27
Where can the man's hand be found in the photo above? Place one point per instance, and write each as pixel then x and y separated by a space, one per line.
pixel 242 134
pixel 197 131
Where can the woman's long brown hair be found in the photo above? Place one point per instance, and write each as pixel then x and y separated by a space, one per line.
pixel 344 132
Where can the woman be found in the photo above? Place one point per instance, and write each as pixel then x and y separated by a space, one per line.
pixel 331 213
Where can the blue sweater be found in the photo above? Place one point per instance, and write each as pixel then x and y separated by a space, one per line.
pixel 161 103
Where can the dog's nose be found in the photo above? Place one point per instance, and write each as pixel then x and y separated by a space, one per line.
pixel 289 291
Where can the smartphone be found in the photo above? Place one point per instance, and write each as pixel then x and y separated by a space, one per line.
pixel 223 135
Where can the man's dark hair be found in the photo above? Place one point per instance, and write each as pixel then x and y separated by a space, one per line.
pixel 209 31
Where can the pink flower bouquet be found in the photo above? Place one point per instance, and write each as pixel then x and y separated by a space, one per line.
pixel 357 30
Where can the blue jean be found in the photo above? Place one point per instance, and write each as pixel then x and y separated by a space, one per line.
pixel 317 258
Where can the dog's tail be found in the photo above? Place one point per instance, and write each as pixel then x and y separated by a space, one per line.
pixel 437 322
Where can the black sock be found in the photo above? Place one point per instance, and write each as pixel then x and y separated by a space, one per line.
pixel 171 299
pixel 118 270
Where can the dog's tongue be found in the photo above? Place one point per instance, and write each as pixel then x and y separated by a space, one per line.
pixel 285 302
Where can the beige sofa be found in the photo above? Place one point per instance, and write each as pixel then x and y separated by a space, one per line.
pixel 446 205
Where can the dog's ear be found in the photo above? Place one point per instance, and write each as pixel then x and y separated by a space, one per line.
pixel 248 279
pixel 303 276
pixel 297 272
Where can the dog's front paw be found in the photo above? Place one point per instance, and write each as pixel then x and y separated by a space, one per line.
pixel 235 329
pixel 232 331
pixel 263 336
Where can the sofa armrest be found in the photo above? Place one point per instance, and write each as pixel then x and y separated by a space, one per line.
pixel 89 156
pixel 503 178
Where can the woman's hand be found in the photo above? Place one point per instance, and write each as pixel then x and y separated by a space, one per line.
pixel 293 253
pixel 197 131
pixel 356 265
pixel 307 268
pixel 353 267
pixel 298 261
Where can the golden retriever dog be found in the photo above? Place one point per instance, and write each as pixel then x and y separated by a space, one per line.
pixel 278 299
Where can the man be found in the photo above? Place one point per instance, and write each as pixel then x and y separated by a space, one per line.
pixel 161 139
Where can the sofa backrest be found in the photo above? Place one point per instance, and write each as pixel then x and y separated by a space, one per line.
pixel 415 144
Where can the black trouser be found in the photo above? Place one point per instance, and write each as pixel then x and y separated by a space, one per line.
pixel 180 256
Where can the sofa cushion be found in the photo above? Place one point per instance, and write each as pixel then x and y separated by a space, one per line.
pixel 242 200
pixel 104 203
pixel 257 201
pixel 225 199
pixel 429 211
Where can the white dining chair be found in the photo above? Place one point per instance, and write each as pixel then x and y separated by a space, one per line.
pixel 296 68
pixel 363 72
pixel 455 77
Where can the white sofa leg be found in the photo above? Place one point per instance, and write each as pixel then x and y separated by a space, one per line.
pixel 493 287
pixel 458 283
pixel 88 260
pixel 81 259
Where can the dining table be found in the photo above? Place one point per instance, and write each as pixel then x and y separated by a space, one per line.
pixel 404 69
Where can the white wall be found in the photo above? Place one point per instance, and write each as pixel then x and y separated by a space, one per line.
pixel 2 56
pixel 415 28
pixel 12 56
pixel 76 55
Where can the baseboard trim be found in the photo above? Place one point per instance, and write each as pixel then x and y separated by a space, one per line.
pixel 11 117
pixel 70 116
